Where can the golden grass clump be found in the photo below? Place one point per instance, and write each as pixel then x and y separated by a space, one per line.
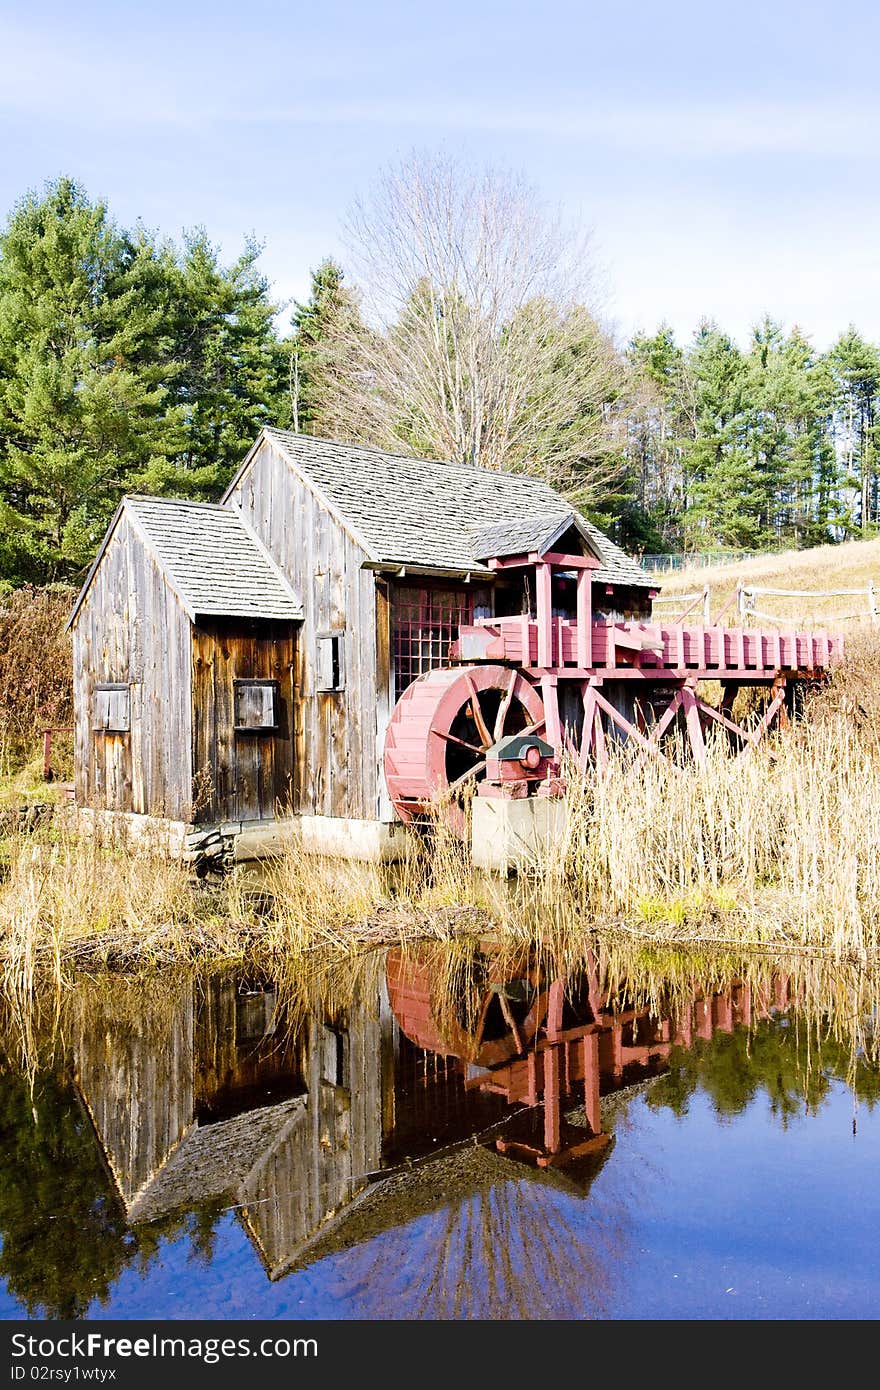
pixel 778 846
pixel 824 568
pixel 60 886
pixel 71 900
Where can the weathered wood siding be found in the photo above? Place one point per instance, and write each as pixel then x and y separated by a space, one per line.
pixel 240 775
pixel 132 629
pixel 336 739
pixel 133 1058
pixel 321 1160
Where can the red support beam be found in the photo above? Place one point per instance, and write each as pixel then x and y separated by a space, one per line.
pixel 552 1099
pixel 584 646
pixel 552 726
pixel 544 615
pixel 571 562
pixel 769 715
pixel 690 705
pixel 555 1002
pixel 592 1112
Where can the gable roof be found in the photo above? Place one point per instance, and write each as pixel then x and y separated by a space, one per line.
pixel 214 1160
pixel 430 515
pixel 417 1190
pixel 215 564
pixel 539 533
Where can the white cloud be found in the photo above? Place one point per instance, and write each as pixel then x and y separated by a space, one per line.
pixel 43 75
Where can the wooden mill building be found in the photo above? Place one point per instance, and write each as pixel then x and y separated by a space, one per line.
pixel 238 663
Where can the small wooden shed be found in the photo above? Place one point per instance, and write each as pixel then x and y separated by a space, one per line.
pixel 240 658
pixel 184 636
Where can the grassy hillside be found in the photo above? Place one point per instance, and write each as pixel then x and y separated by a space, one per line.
pixel 827 567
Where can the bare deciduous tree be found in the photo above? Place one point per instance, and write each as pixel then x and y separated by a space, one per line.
pixel 477 342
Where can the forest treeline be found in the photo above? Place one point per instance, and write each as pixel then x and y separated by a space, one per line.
pixel 131 363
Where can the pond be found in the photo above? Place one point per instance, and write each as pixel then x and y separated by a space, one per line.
pixel 469 1132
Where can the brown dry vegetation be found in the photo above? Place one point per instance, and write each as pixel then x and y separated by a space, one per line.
pixel 774 851
pixel 826 567
pixel 36 679
pixel 779 847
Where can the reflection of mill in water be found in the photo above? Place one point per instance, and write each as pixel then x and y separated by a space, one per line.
pixel 544 1043
pixel 324 1135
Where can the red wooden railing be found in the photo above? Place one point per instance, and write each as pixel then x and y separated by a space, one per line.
pixel 658 647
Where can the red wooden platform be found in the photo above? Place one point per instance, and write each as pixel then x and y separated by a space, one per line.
pixel 626 649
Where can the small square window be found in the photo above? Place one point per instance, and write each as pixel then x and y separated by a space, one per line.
pixel 330 673
pixel 111 709
pixel 256 705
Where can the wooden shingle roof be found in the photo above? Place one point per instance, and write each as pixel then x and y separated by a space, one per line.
pixel 430 1185
pixel 215 564
pixel 212 1161
pixel 429 515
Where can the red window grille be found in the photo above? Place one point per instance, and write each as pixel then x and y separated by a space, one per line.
pixel 425 622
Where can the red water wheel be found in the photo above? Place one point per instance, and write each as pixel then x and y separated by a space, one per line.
pixel 442 727
pixel 498 1022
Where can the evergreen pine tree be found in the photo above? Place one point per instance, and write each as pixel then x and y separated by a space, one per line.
pixel 84 364
pixel 855 366
pixel 230 380
pixel 729 505
pixel 658 426
pixel 317 350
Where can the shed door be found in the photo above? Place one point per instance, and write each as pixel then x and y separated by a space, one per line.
pixel 243 720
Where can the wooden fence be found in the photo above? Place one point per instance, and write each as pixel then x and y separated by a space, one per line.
pixel 746 601
pixel 750 595
pixel 688 603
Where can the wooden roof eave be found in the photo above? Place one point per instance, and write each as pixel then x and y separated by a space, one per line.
pixel 565 524
pixel 399 569
pixel 93 570
pixel 330 507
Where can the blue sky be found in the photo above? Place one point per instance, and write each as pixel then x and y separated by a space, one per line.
pixel 725 160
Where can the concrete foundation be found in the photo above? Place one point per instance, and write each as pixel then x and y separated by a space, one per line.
pixel 139 834
pixel 511 835
pixel 239 842
pixel 507 835
pixel 369 841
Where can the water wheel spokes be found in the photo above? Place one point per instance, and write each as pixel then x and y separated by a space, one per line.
pixel 443 726
pixel 476 713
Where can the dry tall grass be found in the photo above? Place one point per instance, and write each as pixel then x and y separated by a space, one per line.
pixel 826 567
pixel 36 677
pixel 776 850
pixel 778 846
pixel 71 900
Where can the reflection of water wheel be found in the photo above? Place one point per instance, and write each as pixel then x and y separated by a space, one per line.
pixel 498 1022
pixel 443 725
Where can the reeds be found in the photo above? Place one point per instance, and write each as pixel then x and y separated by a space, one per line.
pixel 777 849
pixel 67 897
pixel 777 846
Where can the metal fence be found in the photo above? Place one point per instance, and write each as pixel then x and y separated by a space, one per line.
pixel 659 564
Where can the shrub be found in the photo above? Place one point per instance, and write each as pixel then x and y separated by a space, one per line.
pixel 36 670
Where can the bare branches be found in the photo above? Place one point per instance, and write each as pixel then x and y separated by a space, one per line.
pixel 478 343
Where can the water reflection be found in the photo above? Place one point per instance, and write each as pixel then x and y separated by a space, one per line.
pixel 438 1117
